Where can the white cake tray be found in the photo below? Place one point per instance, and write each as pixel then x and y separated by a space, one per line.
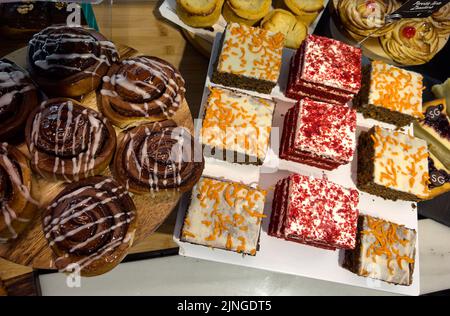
pixel 290 257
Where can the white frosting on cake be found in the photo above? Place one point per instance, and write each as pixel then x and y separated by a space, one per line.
pixel 237 122
pixel 224 215
pixel 400 162
pixel 251 52
pixel 387 251
pixel 396 89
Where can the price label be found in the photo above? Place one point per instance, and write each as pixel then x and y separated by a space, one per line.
pixel 416 9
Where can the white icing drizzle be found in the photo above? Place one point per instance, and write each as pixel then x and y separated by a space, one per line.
pixel 51 225
pixel 176 158
pixel 45 38
pixel 10 215
pixel 158 70
pixel 10 79
pixel 84 163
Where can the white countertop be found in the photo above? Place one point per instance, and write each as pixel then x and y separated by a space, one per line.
pixel 177 275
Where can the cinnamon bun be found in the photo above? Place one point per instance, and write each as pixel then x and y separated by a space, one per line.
pixel 18 96
pixel 68 141
pixel 90 226
pixel 158 157
pixel 16 202
pixel 141 89
pixel 69 61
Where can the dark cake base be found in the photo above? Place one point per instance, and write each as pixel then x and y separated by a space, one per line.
pixel 240 82
pixel 361 102
pixel 365 179
pixel 352 258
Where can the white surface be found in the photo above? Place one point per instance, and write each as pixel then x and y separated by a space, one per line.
pixel 288 257
pixel 168 10
pixel 178 275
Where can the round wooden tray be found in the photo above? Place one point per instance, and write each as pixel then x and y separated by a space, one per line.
pixel 31 248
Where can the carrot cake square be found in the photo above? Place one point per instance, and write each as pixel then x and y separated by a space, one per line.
pixel 225 215
pixel 384 251
pixel 392 165
pixel 250 58
pixel 236 126
pixel 390 94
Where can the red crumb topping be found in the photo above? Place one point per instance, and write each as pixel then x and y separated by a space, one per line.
pixel 323 212
pixel 326 129
pixel 332 63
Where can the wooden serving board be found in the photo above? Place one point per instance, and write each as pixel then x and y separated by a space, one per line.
pixel 31 248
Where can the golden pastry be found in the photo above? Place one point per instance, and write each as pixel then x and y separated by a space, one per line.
pixel 441 19
pixel 363 17
pixel 230 16
pixel 250 9
pixel 308 17
pixel 285 22
pixel 411 41
pixel 199 7
pixel 299 6
pixel 194 19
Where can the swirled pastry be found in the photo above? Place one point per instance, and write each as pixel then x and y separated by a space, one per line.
pixel 68 141
pixel 141 89
pixel 363 17
pixel 69 61
pixel 441 19
pixel 17 206
pixel 18 96
pixel 158 157
pixel 90 226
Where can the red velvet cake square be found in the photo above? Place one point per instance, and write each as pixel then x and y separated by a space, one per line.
pixel 326 70
pixel 319 134
pixel 314 212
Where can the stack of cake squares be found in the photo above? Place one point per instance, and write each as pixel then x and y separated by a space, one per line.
pixel 319 134
pixel 326 70
pixel 314 212
pixel 319 130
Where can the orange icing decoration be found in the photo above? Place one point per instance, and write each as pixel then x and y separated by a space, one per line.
pixel 385 242
pixel 230 215
pixel 396 89
pixel 244 43
pixel 410 166
pixel 238 123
